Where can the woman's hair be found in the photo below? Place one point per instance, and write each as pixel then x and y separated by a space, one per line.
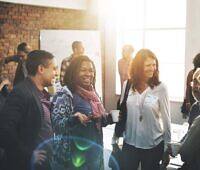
pixel 196 61
pixel 73 70
pixel 137 69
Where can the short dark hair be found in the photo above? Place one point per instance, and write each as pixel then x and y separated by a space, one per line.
pixel 72 71
pixel 196 61
pixel 137 69
pixel 75 44
pixel 36 58
pixel 22 47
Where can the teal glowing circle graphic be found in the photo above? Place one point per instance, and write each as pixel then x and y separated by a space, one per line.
pixel 79 157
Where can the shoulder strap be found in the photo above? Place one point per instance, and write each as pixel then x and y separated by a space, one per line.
pixel 128 85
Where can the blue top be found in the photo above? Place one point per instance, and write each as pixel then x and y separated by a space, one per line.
pixel 94 153
pixel 90 131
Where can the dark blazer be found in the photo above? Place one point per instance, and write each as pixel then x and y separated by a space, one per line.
pixel 190 149
pixel 20 123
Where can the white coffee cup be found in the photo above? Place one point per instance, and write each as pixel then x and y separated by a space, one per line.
pixel 115 115
pixel 175 146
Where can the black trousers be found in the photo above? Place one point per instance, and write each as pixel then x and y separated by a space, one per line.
pixel 149 158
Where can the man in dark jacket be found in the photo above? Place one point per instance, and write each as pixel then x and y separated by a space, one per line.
pixel 190 148
pixel 25 117
pixel 21 72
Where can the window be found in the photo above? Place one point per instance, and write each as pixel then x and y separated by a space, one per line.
pixel 160 26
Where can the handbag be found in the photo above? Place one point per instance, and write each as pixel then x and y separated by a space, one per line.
pixel 120 126
pixel 115 159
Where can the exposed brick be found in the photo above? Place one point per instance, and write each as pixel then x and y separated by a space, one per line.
pixel 23 23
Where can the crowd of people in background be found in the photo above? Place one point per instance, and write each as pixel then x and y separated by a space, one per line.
pixel 64 131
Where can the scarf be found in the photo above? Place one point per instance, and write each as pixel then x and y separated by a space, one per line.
pixel 93 99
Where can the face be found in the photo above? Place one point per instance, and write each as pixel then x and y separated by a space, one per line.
pixel 25 52
pixel 85 76
pixel 49 73
pixel 149 68
pixel 196 87
pixel 79 50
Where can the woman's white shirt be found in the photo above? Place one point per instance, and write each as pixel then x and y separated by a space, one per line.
pixel 152 106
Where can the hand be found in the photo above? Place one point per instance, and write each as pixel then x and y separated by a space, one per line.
pixel 3 83
pixel 165 159
pixel 82 118
pixel 95 117
pixel 39 156
pixel 115 147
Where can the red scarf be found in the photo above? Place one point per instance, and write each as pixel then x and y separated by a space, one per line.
pixel 91 96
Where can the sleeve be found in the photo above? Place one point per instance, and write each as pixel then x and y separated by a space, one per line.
pixel 15 58
pixel 191 143
pixel 62 113
pixel 166 117
pixel 10 117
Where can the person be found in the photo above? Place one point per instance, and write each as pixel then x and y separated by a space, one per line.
pixel 63 121
pixel 189 99
pixel 124 63
pixel 21 72
pixel 4 91
pixel 78 49
pixel 147 120
pixel 80 79
pixel 189 148
pixel 25 117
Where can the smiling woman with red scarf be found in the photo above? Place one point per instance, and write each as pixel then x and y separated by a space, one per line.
pixel 80 79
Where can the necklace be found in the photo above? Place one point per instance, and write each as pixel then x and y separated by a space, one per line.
pixel 142 105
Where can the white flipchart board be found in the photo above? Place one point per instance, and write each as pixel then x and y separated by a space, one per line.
pixel 59 42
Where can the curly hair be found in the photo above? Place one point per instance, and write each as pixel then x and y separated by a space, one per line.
pixel 72 71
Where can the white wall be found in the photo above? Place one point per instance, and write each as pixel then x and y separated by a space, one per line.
pixel 192 48
pixel 192 31
pixel 70 4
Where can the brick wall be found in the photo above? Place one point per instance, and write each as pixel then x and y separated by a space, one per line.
pixel 20 23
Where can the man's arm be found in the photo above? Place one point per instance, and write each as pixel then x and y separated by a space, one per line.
pixel 14 58
pixel 191 143
pixel 10 119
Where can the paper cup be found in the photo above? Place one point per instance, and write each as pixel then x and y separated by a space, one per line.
pixel 115 115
